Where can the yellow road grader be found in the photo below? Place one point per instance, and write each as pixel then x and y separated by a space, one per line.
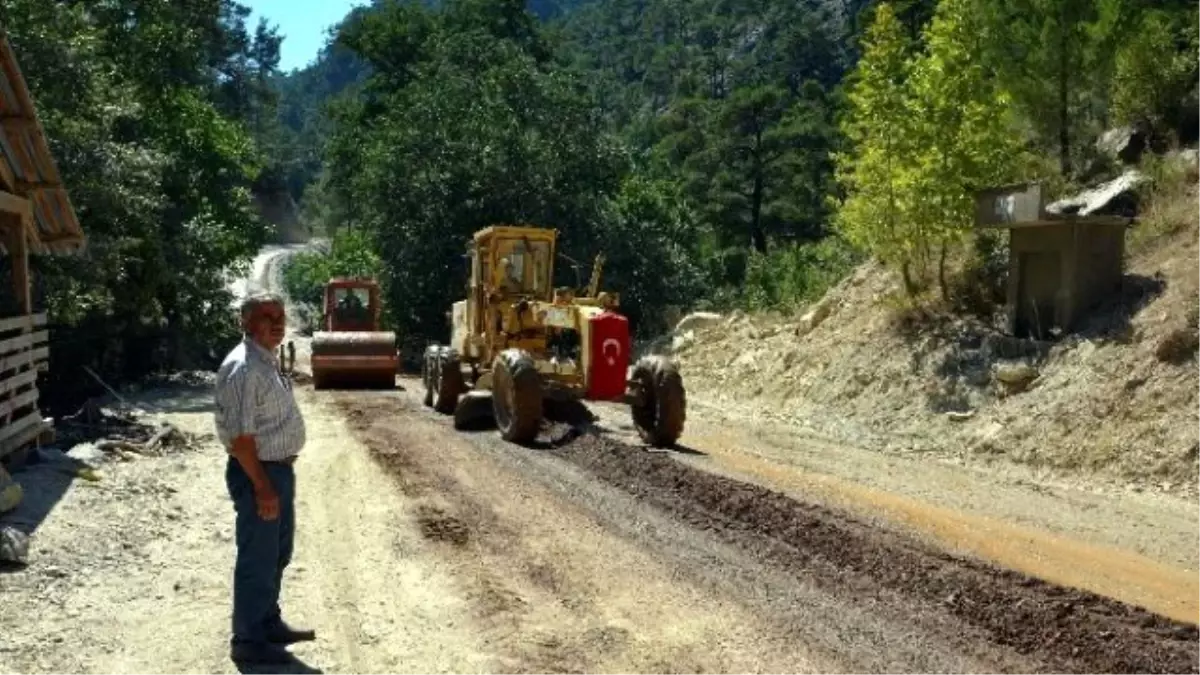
pixel 523 341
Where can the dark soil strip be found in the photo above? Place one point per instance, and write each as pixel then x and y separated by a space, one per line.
pixel 1070 630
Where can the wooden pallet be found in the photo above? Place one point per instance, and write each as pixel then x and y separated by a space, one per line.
pixel 24 352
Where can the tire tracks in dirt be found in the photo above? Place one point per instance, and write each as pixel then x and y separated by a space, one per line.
pixel 728 576
pixel 960 614
pixel 576 550
pixel 365 570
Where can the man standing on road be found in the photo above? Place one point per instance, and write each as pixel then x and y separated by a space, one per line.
pixel 260 426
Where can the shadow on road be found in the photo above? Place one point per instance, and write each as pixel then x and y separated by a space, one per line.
pixel 295 665
pixel 44 479
pixel 46 474
pixel 682 449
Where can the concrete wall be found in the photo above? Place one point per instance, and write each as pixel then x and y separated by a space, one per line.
pixel 1101 253
pixel 1059 271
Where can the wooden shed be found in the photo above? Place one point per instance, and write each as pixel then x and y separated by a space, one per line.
pixel 36 218
pixel 1060 263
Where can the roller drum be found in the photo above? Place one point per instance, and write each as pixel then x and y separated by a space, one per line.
pixel 354 343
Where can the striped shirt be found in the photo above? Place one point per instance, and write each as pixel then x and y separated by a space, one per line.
pixel 254 398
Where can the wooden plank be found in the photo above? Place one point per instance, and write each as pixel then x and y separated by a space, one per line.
pixel 19 380
pixel 27 398
pixel 17 122
pixel 23 321
pixel 17 243
pixel 24 186
pixel 23 341
pixel 27 107
pixel 39 356
pixel 23 431
pixel 25 170
pixel 6 175
pixel 11 203
pixel 25 438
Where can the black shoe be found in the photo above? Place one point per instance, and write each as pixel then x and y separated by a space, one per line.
pixel 259 652
pixel 284 634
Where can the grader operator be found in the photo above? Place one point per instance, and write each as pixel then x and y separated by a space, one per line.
pixel 524 341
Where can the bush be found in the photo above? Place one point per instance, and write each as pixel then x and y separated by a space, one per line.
pixel 787 277
pixel 1168 198
pixel 351 254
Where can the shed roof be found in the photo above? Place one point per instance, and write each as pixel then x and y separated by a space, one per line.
pixel 28 170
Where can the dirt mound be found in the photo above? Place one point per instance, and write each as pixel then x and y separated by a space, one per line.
pixel 1114 403
pixel 1070 630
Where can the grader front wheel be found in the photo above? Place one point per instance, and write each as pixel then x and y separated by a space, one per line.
pixel 661 405
pixel 516 396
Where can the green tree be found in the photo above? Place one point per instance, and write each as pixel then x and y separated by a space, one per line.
pixel 1051 55
pixel 875 171
pixel 1156 71
pixel 480 132
pixel 158 174
pixel 963 135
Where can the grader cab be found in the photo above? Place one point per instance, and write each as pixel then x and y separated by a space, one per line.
pixel 523 341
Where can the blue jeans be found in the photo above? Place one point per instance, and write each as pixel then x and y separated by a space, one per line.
pixel 264 549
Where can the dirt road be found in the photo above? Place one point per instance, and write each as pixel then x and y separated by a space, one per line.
pixel 423 549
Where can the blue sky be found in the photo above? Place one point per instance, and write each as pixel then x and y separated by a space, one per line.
pixel 302 24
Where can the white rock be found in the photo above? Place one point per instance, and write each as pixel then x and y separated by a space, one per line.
pixel 697 320
pixel 815 316
pixel 87 453
pixel 14 546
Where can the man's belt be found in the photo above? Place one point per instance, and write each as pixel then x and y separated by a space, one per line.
pixel 286 462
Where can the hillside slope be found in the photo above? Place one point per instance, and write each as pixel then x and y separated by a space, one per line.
pixel 1114 404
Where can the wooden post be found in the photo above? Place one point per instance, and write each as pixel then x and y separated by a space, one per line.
pixel 18 251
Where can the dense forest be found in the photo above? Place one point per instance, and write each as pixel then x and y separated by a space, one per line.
pixel 158 115
pixel 721 153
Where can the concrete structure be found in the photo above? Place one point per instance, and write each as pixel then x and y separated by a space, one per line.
pixel 1063 259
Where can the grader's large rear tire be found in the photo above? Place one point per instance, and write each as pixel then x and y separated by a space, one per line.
pixel 662 406
pixel 449 383
pixel 516 396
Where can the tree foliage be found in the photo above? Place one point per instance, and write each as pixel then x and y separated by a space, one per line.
pixel 717 151
pixel 876 170
pixel 1155 72
pixel 351 254
pixel 470 125
pixel 159 154
pixel 770 124
pixel 963 139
